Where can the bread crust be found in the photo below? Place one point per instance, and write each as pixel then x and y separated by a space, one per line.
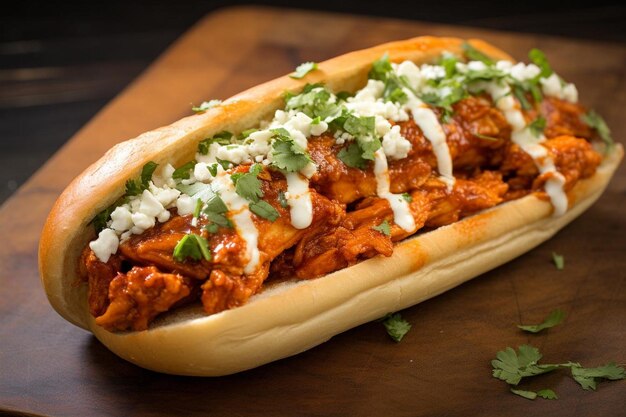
pixel 303 314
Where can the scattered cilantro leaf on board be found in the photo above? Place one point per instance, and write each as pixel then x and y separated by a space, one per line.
pixel 555 317
pixel 396 326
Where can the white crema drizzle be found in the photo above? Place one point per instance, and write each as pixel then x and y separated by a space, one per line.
pixel 530 143
pixel 401 211
pixel 299 200
pixel 241 217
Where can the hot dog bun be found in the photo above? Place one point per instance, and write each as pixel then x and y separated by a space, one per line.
pixel 290 317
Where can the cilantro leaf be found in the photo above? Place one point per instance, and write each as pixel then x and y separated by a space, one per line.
pixel 511 367
pixel 223 138
pixel 184 172
pixel 314 101
pixel 303 69
pixel 475 55
pixel 133 188
pixel 100 220
pixel 366 144
pixel 407 197
pixel 537 126
pixel 192 246
pixel 539 58
pixel 531 395
pixel 136 187
pixel 380 68
pixel 555 317
pixel 146 173
pixel 448 62
pixel 360 126
pixel 288 155
pixel 559 261
pixel 595 121
pixel 206 105
pixel 383 71
pixel 351 156
pixel 247 185
pixel 396 326
pixel 520 95
pixel 264 209
pixel 215 211
pixel 383 228
pixel 548 394
pixel 196 210
pixel 588 378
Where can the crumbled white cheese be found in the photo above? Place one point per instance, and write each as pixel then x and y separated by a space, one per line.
pixel 185 205
pixel 105 245
pixel 553 86
pixel 476 66
pixel 121 219
pixel 432 72
pixel 142 222
pixel 523 72
pixel 236 154
pixel 412 74
pixel 395 145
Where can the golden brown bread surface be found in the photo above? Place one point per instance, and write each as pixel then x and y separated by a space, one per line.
pixel 245 337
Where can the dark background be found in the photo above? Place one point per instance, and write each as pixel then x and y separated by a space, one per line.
pixel 61 63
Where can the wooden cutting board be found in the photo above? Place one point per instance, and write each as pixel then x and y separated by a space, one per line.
pixel 442 367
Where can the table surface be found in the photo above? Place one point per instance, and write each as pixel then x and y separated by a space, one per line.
pixel 442 366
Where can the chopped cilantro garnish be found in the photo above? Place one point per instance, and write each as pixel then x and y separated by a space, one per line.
pixel 588 378
pixel 303 69
pixel 448 62
pixel 206 105
pixel 100 220
pixel 184 172
pixel 192 246
pixel 314 101
pixel 224 164
pixel 264 209
pixel 383 71
pixel 351 156
pixel 247 184
pixel 396 326
pixel 555 317
pixel 520 95
pixel 456 94
pixel 286 153
pixel 511 366
pixel 548 394
pixel 539 59
pixel 196 211
pixel 133 187
pixel 559 261
pixel 222 138
pixel 595 121
pixel 383 228
pixel 212 169
pixel 407 197
pixel 537 126
pixel 475 55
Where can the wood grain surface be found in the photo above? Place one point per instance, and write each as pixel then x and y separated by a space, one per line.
pixel 442 367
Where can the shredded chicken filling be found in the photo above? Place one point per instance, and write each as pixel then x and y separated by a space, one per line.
pixel 143 279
